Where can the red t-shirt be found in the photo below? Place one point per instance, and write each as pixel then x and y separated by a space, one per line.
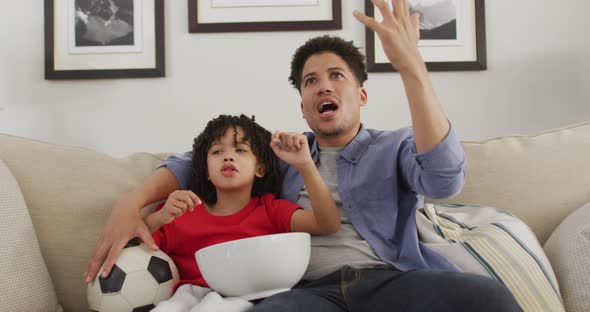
pixel 198 229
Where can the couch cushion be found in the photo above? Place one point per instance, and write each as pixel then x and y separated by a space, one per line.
pixel 543 175
pixel 493 243
pixel 568 249
pixel 69 192
pixel 26 284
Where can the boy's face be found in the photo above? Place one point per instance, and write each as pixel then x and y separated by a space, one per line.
pixel 232 165
pixel 331 98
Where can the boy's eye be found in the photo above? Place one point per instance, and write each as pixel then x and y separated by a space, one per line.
pixel 337 75
pixel 216 152
pixel 241 150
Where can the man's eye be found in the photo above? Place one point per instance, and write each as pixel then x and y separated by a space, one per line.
pixel 337 75
pixel 309 81
pixel 216 152
pixel 241 150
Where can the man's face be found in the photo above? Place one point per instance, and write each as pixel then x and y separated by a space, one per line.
pixel 331 98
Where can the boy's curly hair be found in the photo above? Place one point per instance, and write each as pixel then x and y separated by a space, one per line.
pixel 259 140
pixel 344 49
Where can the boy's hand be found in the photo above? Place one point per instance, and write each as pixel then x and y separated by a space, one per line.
pixel 292 148
pixel 176 205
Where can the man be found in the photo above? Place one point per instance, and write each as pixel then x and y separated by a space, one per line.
pixel 375 263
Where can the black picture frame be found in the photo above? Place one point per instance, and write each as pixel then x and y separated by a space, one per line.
pixel 155 69
pixel 196 26
pixel 480 63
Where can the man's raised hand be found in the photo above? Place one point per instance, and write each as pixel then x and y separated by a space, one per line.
pixel 399 33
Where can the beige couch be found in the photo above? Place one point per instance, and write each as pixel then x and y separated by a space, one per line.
pixel 69 191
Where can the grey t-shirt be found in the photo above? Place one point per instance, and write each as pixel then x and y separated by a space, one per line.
pixel 329 253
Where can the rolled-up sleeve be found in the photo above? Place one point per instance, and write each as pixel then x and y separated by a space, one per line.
pixel 437 173
pixel 180 166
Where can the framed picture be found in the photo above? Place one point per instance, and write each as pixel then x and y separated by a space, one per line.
pixel 207 16
pixel 88 39
pixel 452 36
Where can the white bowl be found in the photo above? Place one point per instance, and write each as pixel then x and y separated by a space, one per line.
pixel 255 267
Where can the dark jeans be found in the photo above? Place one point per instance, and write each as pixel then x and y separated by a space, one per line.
pixel 389 290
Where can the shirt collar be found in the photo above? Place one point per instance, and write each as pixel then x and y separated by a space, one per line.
pixel 352 152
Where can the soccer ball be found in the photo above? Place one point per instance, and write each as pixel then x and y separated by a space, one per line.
pixel 138 281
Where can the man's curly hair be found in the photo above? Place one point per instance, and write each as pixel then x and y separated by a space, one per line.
pixel 259 140
pixel 344 49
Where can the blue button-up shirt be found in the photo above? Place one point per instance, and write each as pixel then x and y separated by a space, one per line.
pixel 381 181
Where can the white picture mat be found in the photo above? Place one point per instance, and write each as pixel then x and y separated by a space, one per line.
pixel 63 60
pixel 462 50
pixel 249 3
pixel 137 31
pixel 207 14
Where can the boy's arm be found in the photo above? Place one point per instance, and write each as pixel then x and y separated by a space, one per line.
pixel 153 221
pixel 324 218
pixel 175 206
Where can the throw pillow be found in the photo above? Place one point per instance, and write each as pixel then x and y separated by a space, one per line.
pixel 26 284
pixel 568 248
pixel 493 243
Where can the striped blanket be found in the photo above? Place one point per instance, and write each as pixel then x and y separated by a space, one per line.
pixel 494 243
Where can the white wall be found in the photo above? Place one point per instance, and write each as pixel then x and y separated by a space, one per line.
pixel 537 78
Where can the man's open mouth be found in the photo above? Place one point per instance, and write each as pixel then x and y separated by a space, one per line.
pixel 327 107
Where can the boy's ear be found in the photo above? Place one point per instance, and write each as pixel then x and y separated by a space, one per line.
pixel 260 170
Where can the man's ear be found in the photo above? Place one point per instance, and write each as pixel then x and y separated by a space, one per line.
pixel 302 113
pixel 364 96
pixel 260 170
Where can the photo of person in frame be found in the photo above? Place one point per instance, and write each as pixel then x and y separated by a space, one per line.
pixel 104 22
